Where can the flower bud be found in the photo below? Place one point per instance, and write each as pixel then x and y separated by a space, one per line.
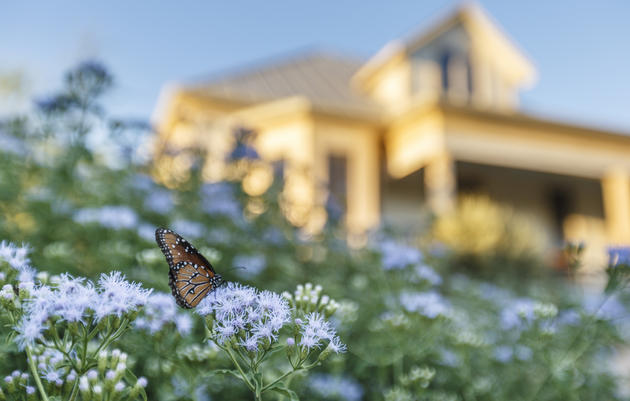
pixel 102 361
pixel 92 375
pixel 30 393
pixel 98 393
pixel 10 383
pixel 137 388
pixel 42 277
pixel 84 387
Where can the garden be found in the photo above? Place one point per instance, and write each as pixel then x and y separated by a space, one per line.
pixel 86 311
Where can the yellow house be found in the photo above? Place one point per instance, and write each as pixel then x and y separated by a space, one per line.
pixel 425 118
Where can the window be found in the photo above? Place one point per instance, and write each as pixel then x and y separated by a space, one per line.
pixel 337 186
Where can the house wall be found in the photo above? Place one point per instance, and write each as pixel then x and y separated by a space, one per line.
pixel 359 144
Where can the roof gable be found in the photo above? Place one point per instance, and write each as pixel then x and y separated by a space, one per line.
pixel 484 33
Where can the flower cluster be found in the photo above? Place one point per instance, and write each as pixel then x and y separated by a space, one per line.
pixel 335 387
pixel 114 217
pixel 78 301
pixel 314 331
pixel 16 386
pixel 398 256
pixel 17 258
pixel 160 311
pixel 308 298
pixel 247 323
pixel 522 312
pixel 430 304
pixel 244 315
pixel 619 255
pixel 218 199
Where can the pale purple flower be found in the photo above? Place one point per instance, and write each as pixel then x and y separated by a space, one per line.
pixel 604 306
pixel 30 329
pixel 523 353
pixel 114 217
pixel 252 265
pixel 337 346
pixel 15 256
pixel 160 201
pixel 184 323
pixel 72 298
pixel 161 310
pixel 218 199
pixel 430 304
pixel 503 354
pixel 426 273
pixel 188 228
pixel 398 256
pixel 250 343
pixel 146 231
pixel 142 381
pixel 518 313
pixel 118 296
pixel 619 255
pixel 335 387
pixel 315 330
pixel 30 390
pixel 51 374
pixel 237 308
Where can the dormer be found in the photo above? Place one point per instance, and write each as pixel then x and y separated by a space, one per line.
pixel 465 59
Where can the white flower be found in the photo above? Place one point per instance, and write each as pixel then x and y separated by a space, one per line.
pixel 335 387
pixel 188 228
pixel 398 256
pixel 16 257
pixel 337 346
pixel 315 330
pixel 218 199
pixel 114 217
pixel 160 201
pixel 239 308
pixel 252 265
pixel 430 304
pixel 160 310
pixel 29 330
pixel 118 296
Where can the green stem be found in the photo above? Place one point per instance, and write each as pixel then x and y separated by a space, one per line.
pixel 278 379
pixel 31 364
pixel 238 366
pixel 75 389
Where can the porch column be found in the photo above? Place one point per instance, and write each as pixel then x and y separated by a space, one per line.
pixel 616 197
pixel 440 183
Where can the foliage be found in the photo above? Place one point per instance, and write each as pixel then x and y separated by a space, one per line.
pixel 488 238
pixel 414 330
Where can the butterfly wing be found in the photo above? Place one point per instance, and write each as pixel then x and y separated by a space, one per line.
pixel 191 276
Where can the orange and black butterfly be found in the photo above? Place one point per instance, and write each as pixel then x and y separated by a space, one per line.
pixel 191 276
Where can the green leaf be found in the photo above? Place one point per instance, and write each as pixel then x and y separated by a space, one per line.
pixel 280 388
pixel 234 373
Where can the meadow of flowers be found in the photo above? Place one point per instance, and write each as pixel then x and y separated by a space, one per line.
pixel 86 312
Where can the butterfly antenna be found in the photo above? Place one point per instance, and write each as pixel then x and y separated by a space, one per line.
pixel 238 267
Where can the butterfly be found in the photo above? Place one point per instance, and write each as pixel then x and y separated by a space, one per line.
pixel 191 276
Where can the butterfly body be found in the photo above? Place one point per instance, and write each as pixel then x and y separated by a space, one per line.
pixel 191 276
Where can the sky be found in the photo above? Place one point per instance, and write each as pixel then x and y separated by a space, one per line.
pixel 581 49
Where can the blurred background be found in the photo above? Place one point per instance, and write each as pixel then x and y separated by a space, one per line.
pixel 443 168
